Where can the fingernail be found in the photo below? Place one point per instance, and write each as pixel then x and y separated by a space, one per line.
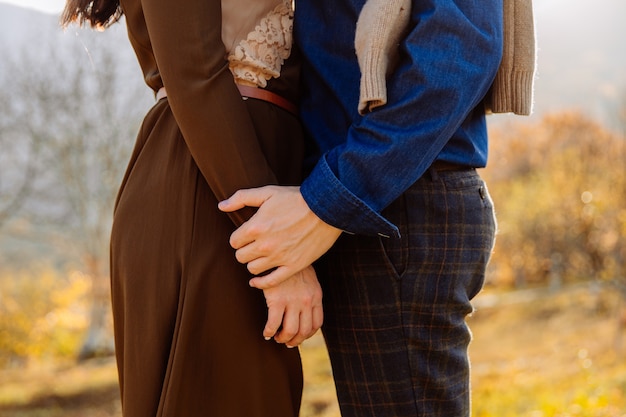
pixel 267 338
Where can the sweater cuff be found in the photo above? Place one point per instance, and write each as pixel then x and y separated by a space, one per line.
pixel 512 92
pixel 373 82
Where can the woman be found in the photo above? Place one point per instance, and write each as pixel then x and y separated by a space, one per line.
pixel 187 324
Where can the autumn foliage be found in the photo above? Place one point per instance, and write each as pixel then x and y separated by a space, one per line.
pixel 559 187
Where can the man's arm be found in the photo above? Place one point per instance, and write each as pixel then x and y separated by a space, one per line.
pixel 283 234
pixel 449 59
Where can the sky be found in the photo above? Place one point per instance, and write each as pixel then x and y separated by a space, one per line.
pixel 48 6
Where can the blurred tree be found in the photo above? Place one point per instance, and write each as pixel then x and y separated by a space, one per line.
pixel 17 160
pixel 560 192
pixel 79 113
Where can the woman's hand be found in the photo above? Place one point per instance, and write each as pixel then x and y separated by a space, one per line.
pixel 295 310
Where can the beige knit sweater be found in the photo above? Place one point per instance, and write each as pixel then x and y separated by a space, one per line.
pixel 380 28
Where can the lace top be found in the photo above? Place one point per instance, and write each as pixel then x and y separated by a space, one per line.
pixel 260 56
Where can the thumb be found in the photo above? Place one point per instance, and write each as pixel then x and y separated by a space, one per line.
pixel 251 197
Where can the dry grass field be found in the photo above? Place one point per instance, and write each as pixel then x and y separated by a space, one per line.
pixel 535 354
pixel 545 355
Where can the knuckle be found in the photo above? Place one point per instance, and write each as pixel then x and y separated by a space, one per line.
pixel 286 335
pixel 257 228
pixel 265 247
pixel 289 333
pixel 304 334
pixel 310 301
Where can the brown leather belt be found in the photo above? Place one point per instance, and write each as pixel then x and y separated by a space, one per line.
pixel 256 93
pixel 265 95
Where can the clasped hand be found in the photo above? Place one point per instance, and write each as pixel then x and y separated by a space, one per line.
pixel 283 236
pixel 294 309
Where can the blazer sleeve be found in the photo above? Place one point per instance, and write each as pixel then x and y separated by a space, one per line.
pixel 189 52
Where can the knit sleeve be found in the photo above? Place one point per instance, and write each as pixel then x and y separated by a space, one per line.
pixel 378 33
pixel 512 89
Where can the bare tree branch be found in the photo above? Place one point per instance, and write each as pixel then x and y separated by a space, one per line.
pixel 71 120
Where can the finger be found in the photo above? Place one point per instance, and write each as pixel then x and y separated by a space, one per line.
pixel 251 197
pixel 318 318
pixel 291 324
pixel 259 265
pixel 277 276
pixel 300 337
pixel 305 329
pixel 258 257
pixel 274 320
pixel 240 238
pixel 248 232
pixel 248 255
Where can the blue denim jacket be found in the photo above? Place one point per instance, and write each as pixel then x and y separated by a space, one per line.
pixel 448 61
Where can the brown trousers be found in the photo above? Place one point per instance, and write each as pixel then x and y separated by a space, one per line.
pixel 188 328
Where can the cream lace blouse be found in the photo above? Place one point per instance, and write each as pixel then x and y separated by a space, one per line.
pixel 258 38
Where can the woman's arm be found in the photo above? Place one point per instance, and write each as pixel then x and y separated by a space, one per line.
pixel 188 48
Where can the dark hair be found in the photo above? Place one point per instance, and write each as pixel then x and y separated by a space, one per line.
pixel 97 13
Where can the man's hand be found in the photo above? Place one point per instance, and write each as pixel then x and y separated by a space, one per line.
pixel 296 304
pixel 283 234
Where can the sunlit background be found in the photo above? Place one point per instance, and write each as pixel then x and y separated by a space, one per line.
pixel 46 6
pixel 549 327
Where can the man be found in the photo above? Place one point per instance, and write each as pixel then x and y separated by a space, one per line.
pixel 396 191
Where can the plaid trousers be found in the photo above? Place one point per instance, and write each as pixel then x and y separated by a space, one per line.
pixel 395 309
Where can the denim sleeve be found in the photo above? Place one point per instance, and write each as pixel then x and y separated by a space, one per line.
pixel 448 60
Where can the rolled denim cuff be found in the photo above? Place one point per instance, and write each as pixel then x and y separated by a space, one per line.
pixel 332 202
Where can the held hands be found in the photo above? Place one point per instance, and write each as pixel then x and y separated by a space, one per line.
pixel 296 304
pixel 283 234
